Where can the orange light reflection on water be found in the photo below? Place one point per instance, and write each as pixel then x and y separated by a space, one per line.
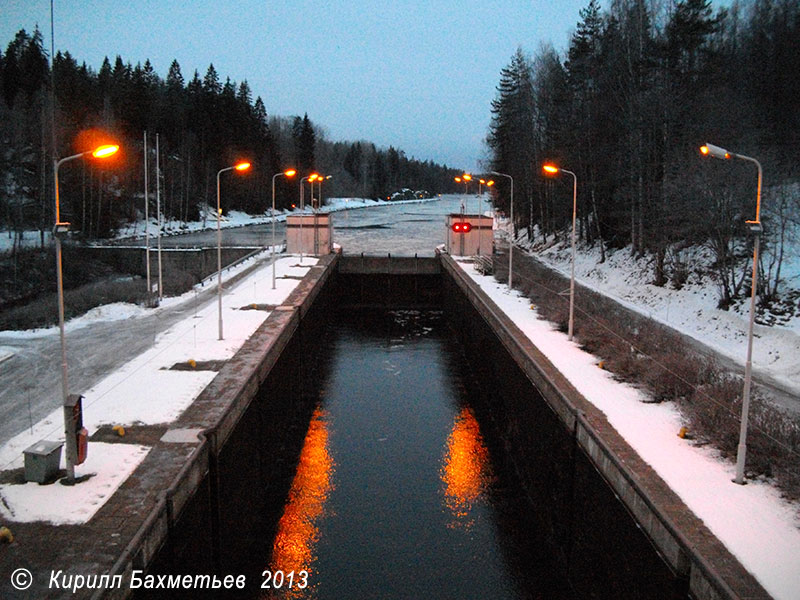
pixel 293 549
pixel 465 472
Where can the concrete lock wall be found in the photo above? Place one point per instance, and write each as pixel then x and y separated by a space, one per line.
pixel 309 234
pixel 260 401
pixel 617 529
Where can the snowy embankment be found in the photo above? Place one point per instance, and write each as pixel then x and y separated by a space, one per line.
pixel 753 521
pixel 691 310
pixel 143 392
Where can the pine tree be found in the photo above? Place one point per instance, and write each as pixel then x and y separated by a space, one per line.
pixel 511 131
pixel 305 144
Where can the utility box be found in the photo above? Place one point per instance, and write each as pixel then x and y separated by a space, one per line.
pixel 42 461
pixel 309 234
pixel 469 235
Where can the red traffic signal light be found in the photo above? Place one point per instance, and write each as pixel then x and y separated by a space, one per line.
pixel 462 227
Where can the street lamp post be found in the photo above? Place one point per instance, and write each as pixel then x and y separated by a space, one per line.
pixel 755 228
pixel 511 235
pixel 242 166
pixel 312 178
pixel 553 170
pixel 60 229
pixel 158 220
pixel 286 173
pixel 146 219
pixel 320 179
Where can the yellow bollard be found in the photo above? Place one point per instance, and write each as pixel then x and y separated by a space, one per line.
pixel 6 535
pixel 119 430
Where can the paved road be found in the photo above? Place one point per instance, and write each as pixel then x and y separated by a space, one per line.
pixel 30 381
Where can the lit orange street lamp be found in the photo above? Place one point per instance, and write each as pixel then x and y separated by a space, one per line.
pixel 554 170
pixel 61 229
pixel 755 227
pixel 286 173
pixel 241 166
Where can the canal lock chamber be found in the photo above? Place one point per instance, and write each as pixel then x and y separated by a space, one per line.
pixel 396 449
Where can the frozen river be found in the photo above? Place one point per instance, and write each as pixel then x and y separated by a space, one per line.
pixel 396 229
pixel 399 230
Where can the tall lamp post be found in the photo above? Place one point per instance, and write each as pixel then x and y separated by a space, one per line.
pixel 242 166
pixel 550 169
pixel 511 235
pixel 756 229
pixel 61 229
pixel 312 178
pixel 286 173
pixel 320 179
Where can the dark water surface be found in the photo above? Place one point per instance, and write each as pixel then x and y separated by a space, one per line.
pixel 398 492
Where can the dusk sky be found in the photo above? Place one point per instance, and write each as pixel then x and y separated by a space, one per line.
pixel 419 76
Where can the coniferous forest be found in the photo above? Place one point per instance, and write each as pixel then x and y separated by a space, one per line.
pixel 641 86
pixel 203 124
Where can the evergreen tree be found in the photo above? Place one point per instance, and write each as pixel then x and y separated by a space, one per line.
pixel 511 131
pixel 304 143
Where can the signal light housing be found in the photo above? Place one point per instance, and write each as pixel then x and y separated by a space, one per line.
pixel 461 227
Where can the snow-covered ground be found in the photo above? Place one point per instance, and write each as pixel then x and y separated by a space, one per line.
pixel 692 310
pixel 144 391
pixel 753 521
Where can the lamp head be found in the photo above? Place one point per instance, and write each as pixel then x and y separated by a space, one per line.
pixel 290 172
pixel 313 177
pixel 105 151
pixel 490 183
pixel 467 177
pixel 242 166
pixel 550 169
pixel 457 179
pixel 715 151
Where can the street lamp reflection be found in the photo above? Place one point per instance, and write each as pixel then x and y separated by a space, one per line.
pixel 466 471
pixel 298 533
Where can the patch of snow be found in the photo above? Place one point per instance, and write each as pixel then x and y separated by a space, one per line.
pixel 6 353
pixel 107 465
pixel 692 310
